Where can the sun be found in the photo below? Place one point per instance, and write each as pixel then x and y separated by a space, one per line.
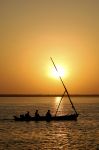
pixel 61 72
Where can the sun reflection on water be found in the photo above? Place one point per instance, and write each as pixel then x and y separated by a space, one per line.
pixel 57 100
pixel 58 105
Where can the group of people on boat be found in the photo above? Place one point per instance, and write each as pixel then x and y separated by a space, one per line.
pixel 37 116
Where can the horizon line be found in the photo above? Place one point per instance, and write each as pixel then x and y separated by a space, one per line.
pixel 48 95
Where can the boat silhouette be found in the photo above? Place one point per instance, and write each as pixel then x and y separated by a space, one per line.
pixel 68 117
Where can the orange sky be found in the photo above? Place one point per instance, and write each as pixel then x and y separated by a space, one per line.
pixel 32 31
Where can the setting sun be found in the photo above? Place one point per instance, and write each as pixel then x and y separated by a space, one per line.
pixel 61 72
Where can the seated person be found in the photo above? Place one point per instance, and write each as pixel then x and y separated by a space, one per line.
pixel 27 115
pixel 21 115
pixel 37 114
pixel 48 115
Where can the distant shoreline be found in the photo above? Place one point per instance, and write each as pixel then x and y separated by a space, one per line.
pixel 47 95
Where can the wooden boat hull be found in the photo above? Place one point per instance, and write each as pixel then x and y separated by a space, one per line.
pixel 53 118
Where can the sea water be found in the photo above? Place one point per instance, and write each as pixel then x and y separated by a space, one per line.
pixel 82 134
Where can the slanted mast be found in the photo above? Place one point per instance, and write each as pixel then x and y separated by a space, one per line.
pixel 64 91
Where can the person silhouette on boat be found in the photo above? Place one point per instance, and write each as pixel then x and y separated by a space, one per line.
pixel 48 115
pixel 37 114
pixel 27 115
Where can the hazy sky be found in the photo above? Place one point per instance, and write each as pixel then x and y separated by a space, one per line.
pixel 33 30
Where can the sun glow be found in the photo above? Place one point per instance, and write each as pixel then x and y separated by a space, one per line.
pixel 61 72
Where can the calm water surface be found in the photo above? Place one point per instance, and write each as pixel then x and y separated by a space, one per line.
pixel 82 134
